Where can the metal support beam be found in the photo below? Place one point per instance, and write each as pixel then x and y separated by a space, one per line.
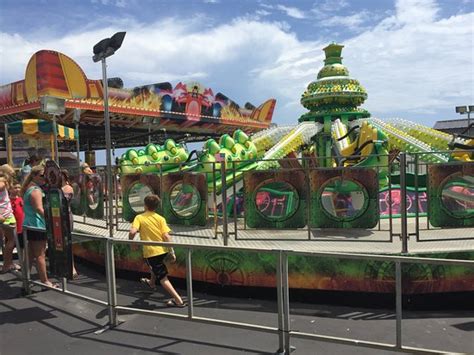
pixel 403 202
pixel 398 302
pixel 225 233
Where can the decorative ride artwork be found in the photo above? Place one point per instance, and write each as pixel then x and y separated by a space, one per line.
pixel 344 198
pixel 451 195
pixel 135 188
pixel 392 198
pixel 275 199
pixel 185 198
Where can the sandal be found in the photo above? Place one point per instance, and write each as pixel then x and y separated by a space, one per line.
pixel 146 282
pixel 13 267
pixel 75 276
pixel 53 285
pixel 172 303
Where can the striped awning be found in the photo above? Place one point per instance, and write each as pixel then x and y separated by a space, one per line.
pixel 34 126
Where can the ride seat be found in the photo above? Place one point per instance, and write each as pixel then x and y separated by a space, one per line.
pixel 363 146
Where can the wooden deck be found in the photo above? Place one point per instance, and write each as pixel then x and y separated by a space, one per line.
pixel 376 241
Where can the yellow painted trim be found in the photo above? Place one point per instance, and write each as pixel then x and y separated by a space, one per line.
pixel 75 80
pixel 61 131
pixel 51 139
pixel 71 133
pixel 30 126
pixel 31 85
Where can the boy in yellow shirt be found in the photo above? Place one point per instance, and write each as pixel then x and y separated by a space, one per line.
pixel 153 227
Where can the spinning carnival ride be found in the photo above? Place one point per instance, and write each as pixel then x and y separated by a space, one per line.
pixel 335 133
pixel 337 168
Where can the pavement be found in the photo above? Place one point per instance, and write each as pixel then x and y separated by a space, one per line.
pixel 49 322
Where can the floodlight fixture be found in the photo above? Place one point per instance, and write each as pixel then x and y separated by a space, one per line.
pixel 108 46
pixel 466 110
pixel 461 109
pixel 53 105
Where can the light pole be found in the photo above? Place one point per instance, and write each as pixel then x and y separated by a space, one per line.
pixel 463 110
pixel 76 119
pixel 103 49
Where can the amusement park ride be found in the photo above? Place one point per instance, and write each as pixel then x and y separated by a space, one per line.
pixel 337 168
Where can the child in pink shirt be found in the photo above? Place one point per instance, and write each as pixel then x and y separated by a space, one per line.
pixel 17 205
pixel 7 222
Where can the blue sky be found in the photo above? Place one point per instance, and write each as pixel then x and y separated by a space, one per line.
pixel 414 57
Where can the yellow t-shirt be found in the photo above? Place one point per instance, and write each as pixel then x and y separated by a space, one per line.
pixel 151 226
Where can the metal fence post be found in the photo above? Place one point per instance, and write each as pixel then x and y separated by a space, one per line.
pixel 214 198
pixel 110 276
pixel 64 284
pixel 107 221
pixel 117 199
pixel 189 282
pixel 417 200
pixel 307 173
pixel 398 301
pixel 281 334
pixel 286 303
pixel 225 234
pixel 234 191
pixel 25 268
pixel 403 202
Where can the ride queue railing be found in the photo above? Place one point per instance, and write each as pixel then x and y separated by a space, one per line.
pixel 283 326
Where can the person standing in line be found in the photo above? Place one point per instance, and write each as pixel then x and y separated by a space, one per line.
pixel 17 207
pixel 153 227
pixel 32 161
pixel 34 221
pixel 7 223
pixel 68 192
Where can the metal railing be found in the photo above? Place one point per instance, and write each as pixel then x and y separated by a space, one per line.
pixel 397 225
pixel 283 326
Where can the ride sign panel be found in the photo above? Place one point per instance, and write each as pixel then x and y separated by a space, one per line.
pixel 58 225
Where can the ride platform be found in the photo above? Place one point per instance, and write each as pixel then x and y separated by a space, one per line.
pixel 306 272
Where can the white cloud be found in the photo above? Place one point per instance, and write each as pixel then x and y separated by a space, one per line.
pixel 409 67
pixel 263 12
pixel 352 22
pixel 416 11
pixel 118 3
pixel 291 11
pixel 327 7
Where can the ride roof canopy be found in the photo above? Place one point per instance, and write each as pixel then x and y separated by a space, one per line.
pixel 33 126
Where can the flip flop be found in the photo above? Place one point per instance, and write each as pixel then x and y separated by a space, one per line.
pixel 172 303
pixel 146 282
pixel 13 267
pixel 53 285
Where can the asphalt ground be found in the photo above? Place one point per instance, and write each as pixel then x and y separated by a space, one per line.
pixel 49 322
